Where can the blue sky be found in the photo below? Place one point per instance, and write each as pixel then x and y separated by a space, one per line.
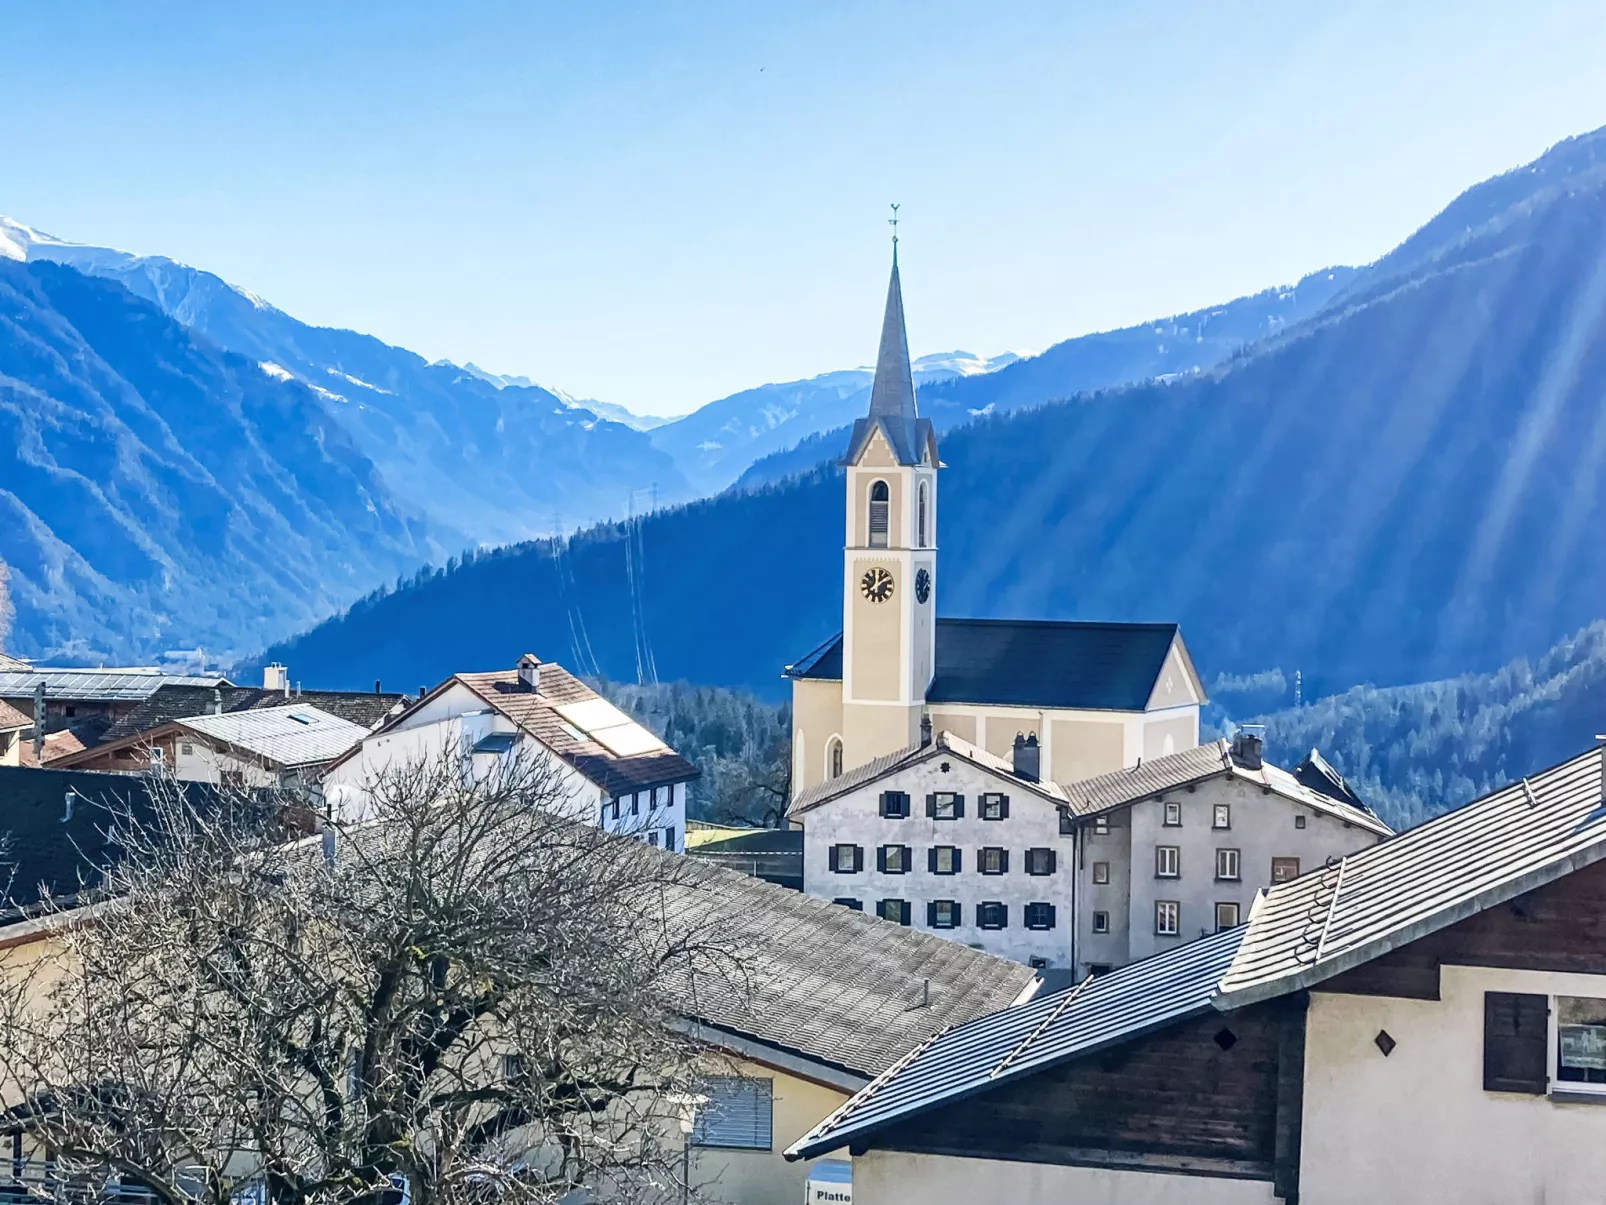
pixel 659 204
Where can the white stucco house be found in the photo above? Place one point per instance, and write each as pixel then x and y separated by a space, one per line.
pixel 615 773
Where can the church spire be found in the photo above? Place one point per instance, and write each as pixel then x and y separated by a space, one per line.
pixel 893 394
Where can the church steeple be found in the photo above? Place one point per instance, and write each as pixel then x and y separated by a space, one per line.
pixel 893 394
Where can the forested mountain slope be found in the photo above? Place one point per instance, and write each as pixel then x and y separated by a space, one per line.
pixel 1405 487
pixel 156 491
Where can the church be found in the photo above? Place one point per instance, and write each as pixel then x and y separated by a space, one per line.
pixel 1083 698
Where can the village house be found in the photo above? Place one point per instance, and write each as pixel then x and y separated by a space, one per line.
pixel 1420 1020
pixel 13 724
pixel 1094 696
pixel 617 774
pixel 79 705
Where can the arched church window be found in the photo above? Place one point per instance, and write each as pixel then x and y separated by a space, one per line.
pixel 833 757
pixel 922 516
pixel 880 506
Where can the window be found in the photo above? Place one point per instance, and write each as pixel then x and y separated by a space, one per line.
pixel 895 805
pixel 848 901
pixel 1580 1043
pixel 896 911
pixel 847 859
pixel 992 859
pixel 1283 869
pixel 1067 821
pixel 1227 865
pixel 652 838
pixel 635 804
pixel 994 806
pixel 233 778
pixel 921 532
pixel 187 749
pixel 945 805
pixel 1039 861
pixel 1173 815
pixel 1101 873
pixel 1299 820
pixel 1516 1042
pixel 669 838
pixel 739 1113
pixel 833 757
pixel 943 914
pixel 1226 917
pixel 1221 816
pixel 992 915
pixel 1039 916
pixel 1167 861
pixel 892 859
pixel 1167 918
pixel 944 859
pixel 880 505
pixel 1101 922
pixel 1101 826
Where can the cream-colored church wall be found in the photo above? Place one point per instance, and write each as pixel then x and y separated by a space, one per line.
pixel 962 726
pixel 1170 735
pixel 871 729
pixel 1083 748
pixel 859 507
pixel 1001 730
pixel 1174 688
pixel 816 718
pixel 874 651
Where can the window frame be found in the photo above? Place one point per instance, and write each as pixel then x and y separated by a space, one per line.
pixel 992 800
pixel 1026 916
pixel 921 541
pixel 1221 816
pixel 1299 819
pixel 850 903
pixel 1556 1084
pixel 855 858
pixel 870 515
pixel 894 805
pixel 956 914
pixel 1002 914
pixel 833 758
pixel 1172 816
pixel 955 801
pixel 958 860
pixel 1044 853
pixel 1160 860
pixel 902 909
pixel 1001 860
pixel 1100 922
pixel 1237 914
pixel 1101 874
pixel 1287 878
pixel 764 1118
pixel 1101 825
pixel 884 859
pixel 1175 907
pixel 1228 854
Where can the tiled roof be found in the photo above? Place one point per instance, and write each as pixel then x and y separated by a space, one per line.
pixel 1520 837
pixel 945 743
pixel 173 702
pixel 1117 788
pixel 970 1058
pixel 536 713
pixel 290 737
pixel 1032 663
pixel 96 685
pixel 11 718
pixel 842 987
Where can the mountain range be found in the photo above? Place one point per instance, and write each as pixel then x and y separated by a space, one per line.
pixel 1404 484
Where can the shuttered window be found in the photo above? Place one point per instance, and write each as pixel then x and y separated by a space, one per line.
pixel 892 859
pixel 944 859
pixel 894 805
pixel 847 859
pixel 896 911
pixel 1516 1042
pixel 945 805
pixel 1039 916
pixel 1040 861
pixel 992 859
pixel 739 1113
pixel 943 914
pixel 993 914
pixel 994 806
pixel 849 902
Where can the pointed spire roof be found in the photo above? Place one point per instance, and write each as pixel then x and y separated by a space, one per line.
pixel 892 395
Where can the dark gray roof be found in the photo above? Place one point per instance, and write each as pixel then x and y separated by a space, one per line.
pixel 1317 773
pixel 841 987
pixel 1079 1021
pixel 96 685
pixel 892 395
pixel 1033 663
pixel 174 702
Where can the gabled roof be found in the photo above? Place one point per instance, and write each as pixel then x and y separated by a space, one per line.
pixel 1190 767
pixel 1373 901
pixel 1099 1012
pixel 176 702
pixel 1299 934
pixel 1317 773
pixel 290 737
pixel 944 744
pixel 840 987
pixel 1032 663
pixel 892 395
pixel 11 719
pixel 96 685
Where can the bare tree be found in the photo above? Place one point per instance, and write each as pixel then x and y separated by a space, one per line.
pixel 465 998
pixel 7 610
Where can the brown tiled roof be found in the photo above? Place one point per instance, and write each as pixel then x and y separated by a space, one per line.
pixel 534 711
pixel 168 703
pixel 821 980
pixel 11 718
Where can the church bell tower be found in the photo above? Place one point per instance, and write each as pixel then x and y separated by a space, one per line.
pixel 889 559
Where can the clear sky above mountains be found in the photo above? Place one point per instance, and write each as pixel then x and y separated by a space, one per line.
pixel 660 204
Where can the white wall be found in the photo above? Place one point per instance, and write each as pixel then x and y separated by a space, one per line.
pixel 203 763
pixel 1417 1125
pixel 1033 821
pixel 892 1178
pixel 654 814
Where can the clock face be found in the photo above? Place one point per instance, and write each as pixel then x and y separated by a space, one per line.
pixel 876 585
pixel 922 586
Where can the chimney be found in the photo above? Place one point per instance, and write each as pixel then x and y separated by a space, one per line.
pixel 925 731
pixel 1248 746
pixel 39 722
pixel 530 672
pixel 217 700
pixel 376 686
pixel 66 814
pixel 1028 757
pixel 276 677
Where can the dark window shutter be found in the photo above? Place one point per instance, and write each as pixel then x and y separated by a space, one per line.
pixel 881 858
pixel 886 798
pixel 1003 807
pixel 1003 861
pixel 931 806
pixel 959 806
pixel 1049 908
pixel 931 860
pixel 931 914
pixel 1516 1042
pixel 903 912
pixel 858 858
pixel 959 860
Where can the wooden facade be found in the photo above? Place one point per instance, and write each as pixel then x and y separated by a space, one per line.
pixel 1217 1095
pixel 1558 927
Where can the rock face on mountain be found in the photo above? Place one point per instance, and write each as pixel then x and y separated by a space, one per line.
pixel 1409 484
pixel 491 461
pixel 156 490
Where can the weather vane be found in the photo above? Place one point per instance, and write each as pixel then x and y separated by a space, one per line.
pixel 893 222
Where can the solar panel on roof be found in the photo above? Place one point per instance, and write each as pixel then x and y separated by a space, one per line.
pixel 611 728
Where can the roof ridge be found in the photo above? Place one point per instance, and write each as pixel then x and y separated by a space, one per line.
pixel 1053 1015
